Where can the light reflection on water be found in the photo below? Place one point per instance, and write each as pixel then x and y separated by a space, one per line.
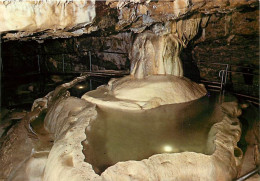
pixel 122 135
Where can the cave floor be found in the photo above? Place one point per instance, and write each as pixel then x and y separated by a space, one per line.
pixel 248 143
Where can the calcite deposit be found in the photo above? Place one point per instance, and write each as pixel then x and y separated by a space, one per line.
pixel 153 54
pixel 163 28
pixel 66 18
pixel 39 16
pixel 133 94
pixel 66 121
pixel 156 75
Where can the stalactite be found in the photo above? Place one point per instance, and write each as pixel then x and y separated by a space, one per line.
pixel 153 55
pixel 203 33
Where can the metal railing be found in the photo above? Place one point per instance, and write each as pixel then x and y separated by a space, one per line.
pixel 223 74
pixel 42 56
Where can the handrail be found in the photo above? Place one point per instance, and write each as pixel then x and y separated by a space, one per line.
pixel 231 65
pixel 248 175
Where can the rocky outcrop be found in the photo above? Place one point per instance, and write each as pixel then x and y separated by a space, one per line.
pixel 38 16
pixel 66 121
pixel 229 39
pixel 155 80
pixel 40 19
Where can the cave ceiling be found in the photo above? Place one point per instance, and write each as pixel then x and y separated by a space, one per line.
pixel 42 19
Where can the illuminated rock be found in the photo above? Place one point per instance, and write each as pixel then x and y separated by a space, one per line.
pixel 38 16
pixel 66 122
pixel 66 160
pixel 39 19
pixel 153 54
pixel 150 92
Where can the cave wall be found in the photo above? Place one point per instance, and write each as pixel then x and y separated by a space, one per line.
pixel 67 55
pixel 24 19
pixel 31 69
pixel 229 39
pixel 223 38
pixel 20 57
pixel 110 53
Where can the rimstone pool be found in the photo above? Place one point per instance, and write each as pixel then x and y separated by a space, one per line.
pixel 95 142
pixel 153 124
pixel 118 135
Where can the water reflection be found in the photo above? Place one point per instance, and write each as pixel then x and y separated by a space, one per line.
pixel 122 135
pixel 82 87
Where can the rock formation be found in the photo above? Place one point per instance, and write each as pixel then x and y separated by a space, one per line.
pixel 163 28
pixel 66 18
pixel 156 72
pixel 66 121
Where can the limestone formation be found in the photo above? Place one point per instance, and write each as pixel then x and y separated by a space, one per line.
pixel 55 151
pixel 66 18
pixel 153 55
pixel 29 17
pixel 66 122
pixel 133 94
pixel 156 75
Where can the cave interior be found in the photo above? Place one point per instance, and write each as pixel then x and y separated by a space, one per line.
pixel 218 45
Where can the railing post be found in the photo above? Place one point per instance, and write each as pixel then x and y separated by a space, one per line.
pixel 63 63
pixel 223 75
pixel 1 62
pixel 1 67
pixel 90 64
pixel 90 69
pixel 39 66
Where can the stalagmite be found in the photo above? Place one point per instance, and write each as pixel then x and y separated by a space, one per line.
pixel 156 72
pixel 156 83
pixel 155 55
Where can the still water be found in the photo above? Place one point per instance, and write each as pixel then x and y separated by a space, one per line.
pixel 118 135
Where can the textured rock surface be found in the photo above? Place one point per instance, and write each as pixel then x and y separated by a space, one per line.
pixel 67 120
pixel 230 39
pixel 38 16
pixel 23 154
pixel 106 53
pixel 150 92
pixel 74 18
pixel 152 55
pixel 223 31
pixel 179 20
pixel 156 73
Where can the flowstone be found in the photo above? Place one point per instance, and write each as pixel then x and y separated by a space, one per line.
pixel 152 86
pixel 156 77
pixel 130 93
pixel 68 118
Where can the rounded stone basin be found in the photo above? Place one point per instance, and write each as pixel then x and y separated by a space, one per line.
pixel 130 93
pixel 196 140
pixel 120 135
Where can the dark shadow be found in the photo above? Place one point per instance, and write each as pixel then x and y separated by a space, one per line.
pixel 190 68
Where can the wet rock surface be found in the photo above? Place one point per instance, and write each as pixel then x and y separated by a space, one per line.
pixel 152 91
pixel 67 121
pixel 54 151
pixel 118 135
